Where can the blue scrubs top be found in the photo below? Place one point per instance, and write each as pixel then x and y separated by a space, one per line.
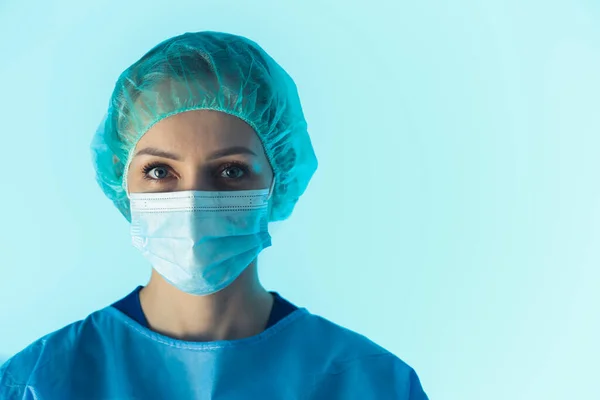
pixel 110 355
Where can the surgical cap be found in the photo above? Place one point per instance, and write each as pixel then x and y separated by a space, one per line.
pixel 207 71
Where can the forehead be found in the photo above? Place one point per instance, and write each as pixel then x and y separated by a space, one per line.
pixel 200 132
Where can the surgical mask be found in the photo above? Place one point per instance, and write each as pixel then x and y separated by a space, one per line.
pixel 200 241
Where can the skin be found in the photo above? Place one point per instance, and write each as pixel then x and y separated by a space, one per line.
pixel 208 146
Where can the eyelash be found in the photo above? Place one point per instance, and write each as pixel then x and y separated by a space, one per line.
pixel 217 173
pixel 245 169
pixel 149 167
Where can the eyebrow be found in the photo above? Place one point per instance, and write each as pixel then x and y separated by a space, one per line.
pixel 230 151
pixel 152 151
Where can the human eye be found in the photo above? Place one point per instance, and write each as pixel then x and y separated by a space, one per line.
pixel 233 171
pixel 156 172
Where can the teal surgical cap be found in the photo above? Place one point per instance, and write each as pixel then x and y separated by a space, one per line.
pixel 207 71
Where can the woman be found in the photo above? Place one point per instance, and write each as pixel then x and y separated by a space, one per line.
pixel 205 143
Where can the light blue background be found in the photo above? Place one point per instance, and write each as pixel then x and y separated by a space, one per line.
pixel 455 217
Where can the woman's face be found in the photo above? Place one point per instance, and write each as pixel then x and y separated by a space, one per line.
pixel 199 150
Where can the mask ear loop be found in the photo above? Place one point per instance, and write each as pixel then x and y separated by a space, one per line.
pixel 271 189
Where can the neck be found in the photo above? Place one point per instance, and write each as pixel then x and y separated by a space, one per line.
pixel 240 310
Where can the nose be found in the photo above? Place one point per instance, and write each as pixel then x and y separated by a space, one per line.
pixel 196 179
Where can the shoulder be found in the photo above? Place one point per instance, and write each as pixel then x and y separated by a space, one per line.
pixel 358 365
pixel 348 343
pixel 17 372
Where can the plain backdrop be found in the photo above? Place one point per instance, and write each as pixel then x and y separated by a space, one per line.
pixel 454 218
